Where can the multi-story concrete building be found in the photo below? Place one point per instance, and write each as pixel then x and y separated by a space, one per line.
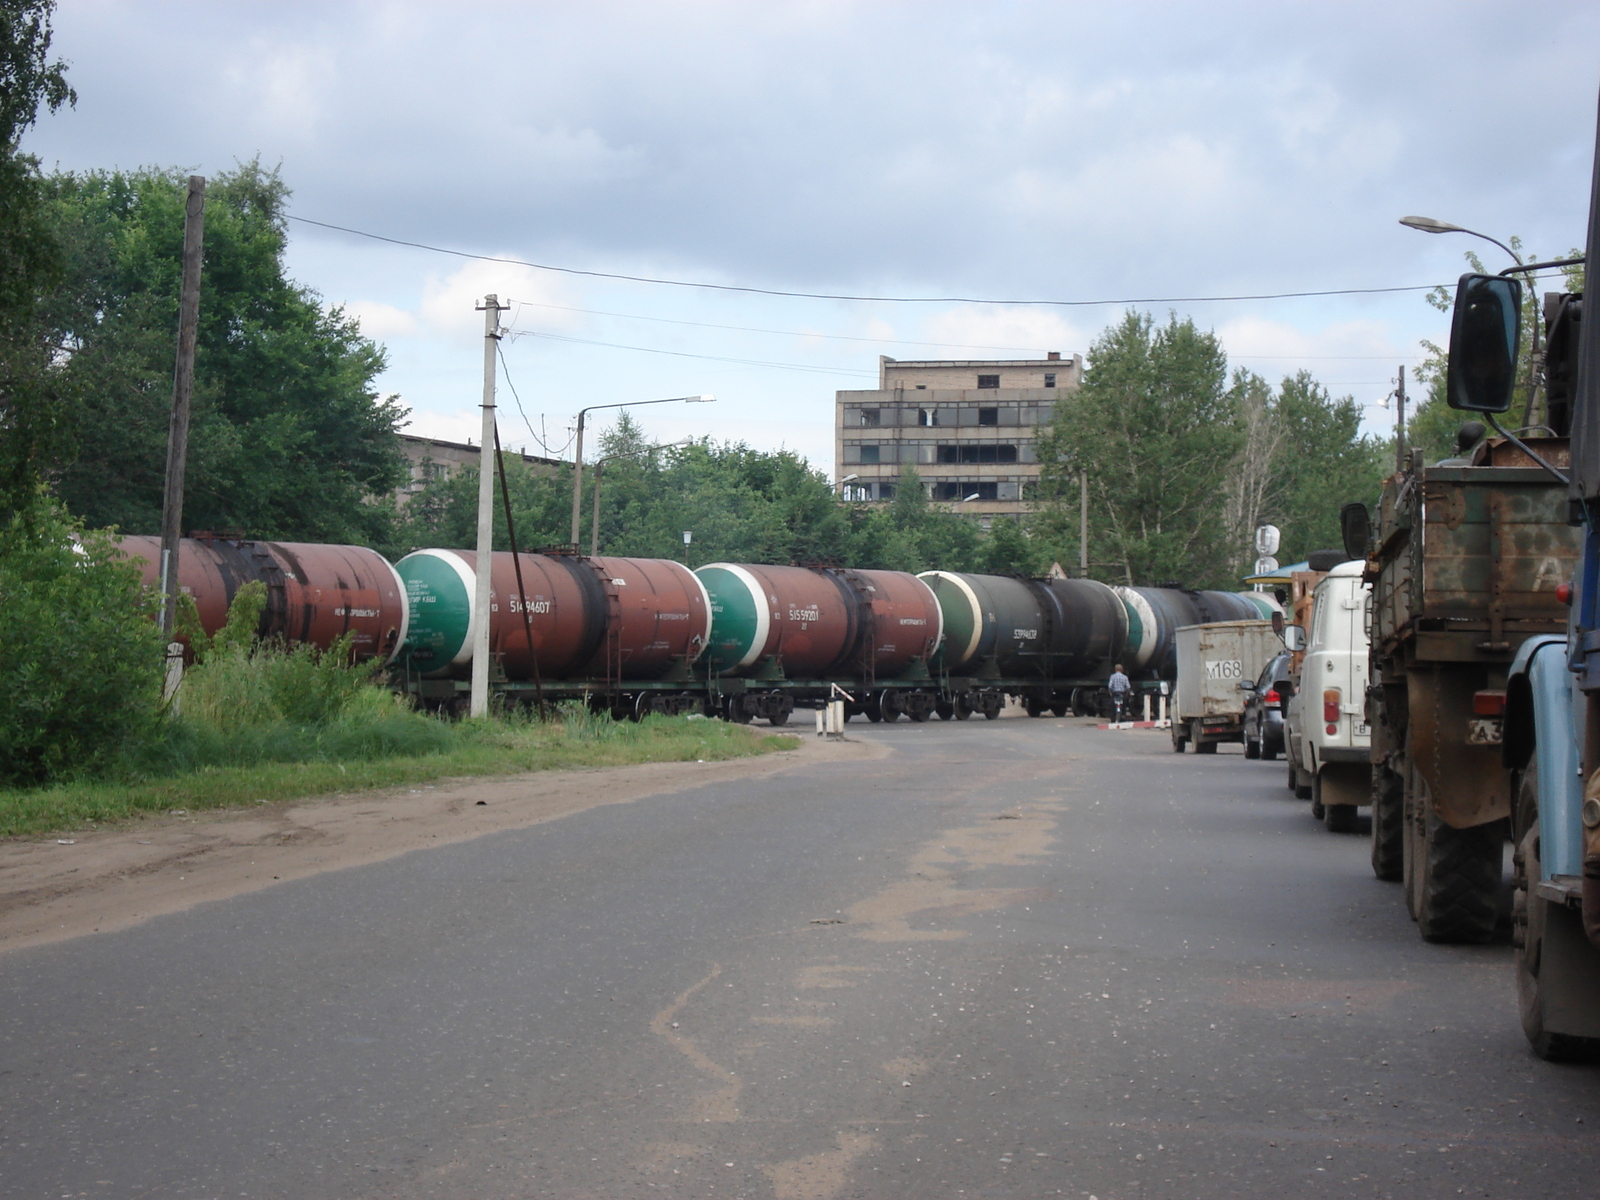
pixel 968 428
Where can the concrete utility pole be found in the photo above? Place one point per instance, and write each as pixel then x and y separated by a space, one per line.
pixel 491 308
pixel 194 213
pixel 1400 422
pixel 1083 526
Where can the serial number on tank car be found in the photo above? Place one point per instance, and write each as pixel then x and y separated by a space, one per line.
pixel 532 606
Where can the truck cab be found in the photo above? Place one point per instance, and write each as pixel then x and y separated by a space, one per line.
pixel 1325 730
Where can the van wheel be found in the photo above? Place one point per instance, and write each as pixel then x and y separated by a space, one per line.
pixel 1340 818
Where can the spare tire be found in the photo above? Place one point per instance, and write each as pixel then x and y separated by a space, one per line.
pixel 1326 560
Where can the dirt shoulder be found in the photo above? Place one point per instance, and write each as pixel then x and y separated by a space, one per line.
pixel 52 889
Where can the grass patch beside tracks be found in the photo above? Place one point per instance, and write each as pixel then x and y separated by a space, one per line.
pixel 378 745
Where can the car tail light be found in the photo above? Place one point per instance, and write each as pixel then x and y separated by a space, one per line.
pixel 1564 593
pixel 1330 708
pixel 1488 704
pixel 1272 697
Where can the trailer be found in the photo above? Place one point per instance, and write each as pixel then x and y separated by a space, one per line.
pixel 1215 661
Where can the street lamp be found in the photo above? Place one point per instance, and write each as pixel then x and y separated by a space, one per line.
pixel 1429 225
pixel 577 458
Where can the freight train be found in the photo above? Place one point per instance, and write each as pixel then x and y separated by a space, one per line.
pixel 736 640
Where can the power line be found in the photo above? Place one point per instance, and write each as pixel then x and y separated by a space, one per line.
pixel 542 445
pixel 728 287
pixel 845 337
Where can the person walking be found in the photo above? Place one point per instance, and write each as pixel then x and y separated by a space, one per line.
pixel 1119 685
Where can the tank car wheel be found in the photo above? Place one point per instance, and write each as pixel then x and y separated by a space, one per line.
pixel 1388 825
pixel 1060 710
pixel 873 715
pixel 918 715
pixel 1034 707
pixel 946 710
pixel 733 710
pixel 887 708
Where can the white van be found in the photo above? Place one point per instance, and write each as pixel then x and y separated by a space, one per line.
pixel 1325 725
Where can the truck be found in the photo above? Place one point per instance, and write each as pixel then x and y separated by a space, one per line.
pixel 1216 663
pixel 1325 726
pixel 1550 744
pixel 1464 559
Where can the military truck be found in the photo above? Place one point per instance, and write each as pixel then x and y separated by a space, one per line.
pixel 1464 559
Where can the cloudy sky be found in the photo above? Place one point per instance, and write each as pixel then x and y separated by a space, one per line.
pixel 1093 153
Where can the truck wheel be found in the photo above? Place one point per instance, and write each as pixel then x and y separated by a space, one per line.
pixel 1303 785
pixel 1318 811
pixel 1294 778
pixel 1201 746
pixel 1544 954
pixel 1252 748
pixel 1460 880
pixel 1388 825
pixel 1178 740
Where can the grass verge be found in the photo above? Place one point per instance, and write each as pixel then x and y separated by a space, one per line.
pixel 492 747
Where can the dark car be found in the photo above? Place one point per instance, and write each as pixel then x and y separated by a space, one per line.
pixel 1263 709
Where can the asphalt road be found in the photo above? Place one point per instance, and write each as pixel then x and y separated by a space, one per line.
pixel 1021 958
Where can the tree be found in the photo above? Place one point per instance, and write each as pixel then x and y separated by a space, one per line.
pixel 30 262
pixel 1325 463
pixel 287 438
pixel 1156 430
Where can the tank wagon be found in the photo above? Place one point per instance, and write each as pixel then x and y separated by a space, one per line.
pixel 624 633
pixel 315 593
pixel 1040 640
pixel 787 635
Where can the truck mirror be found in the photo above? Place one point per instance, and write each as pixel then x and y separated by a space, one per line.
pixel 1294 637
pixel 1277 623
pixel 1247 686
pixel 1355 523
pixel 1485 335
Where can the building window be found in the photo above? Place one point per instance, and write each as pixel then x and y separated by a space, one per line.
pixel 988 381
pixel 1049 379
pixel 922 387
pixel 869 454
pixel 958 490
pixel 978 453
pixel 886 491
pixel 927 416
pixel 988 416
pixel 870 416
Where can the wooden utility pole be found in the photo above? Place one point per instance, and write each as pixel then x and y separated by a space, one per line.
pixel 1400 422
pixel 194 212
pixel 481 601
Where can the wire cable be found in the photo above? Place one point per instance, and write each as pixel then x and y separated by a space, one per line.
pixel 506 371
pixel 758 291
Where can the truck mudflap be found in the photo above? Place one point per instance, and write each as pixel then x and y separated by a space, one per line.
pixel 1466 782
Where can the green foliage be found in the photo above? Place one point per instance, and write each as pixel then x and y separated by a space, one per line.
pixel 1154 427
pixel 287 437
pixel 32 409
pixel 82 660
pixel 1325 462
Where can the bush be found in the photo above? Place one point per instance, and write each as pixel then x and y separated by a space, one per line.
pixel 81 661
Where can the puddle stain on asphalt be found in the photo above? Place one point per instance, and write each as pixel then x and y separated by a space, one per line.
pixel 722 1104
pixel 933 890
pixel 819 1176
